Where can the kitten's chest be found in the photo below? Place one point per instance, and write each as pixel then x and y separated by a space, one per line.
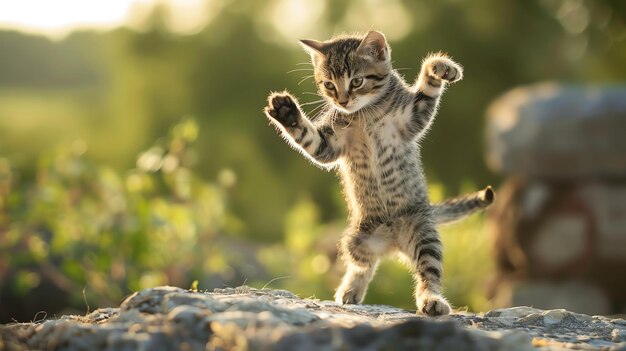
pixel 371 150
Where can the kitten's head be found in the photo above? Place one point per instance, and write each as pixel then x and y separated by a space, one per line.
pixel 351 71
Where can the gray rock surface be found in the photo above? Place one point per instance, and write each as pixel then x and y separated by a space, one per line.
pixel 244 318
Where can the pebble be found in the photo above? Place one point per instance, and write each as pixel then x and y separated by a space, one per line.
pixel 554 316
pixel 618 335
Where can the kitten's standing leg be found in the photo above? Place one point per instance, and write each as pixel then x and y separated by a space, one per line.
pixel 360 252
pixel 419 242
pixel 354 282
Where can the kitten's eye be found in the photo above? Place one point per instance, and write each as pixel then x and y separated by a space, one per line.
pixel 356 82
pixel 329 85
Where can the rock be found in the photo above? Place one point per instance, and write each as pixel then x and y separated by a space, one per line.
pixel 171 301
pixel 553 316
pixel 244 318
pixel 512 312
pixel 549 130
pixel 573 295
pixel 148 300
pixel 567 242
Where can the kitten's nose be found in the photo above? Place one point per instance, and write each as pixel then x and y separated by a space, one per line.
pixel 343 103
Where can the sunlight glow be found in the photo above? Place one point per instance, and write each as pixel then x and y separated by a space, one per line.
pixel 389 16
pixel 190 16
pixel 296 19
pixel 60 16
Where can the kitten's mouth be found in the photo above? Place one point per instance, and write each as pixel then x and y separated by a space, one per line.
pixel 347 108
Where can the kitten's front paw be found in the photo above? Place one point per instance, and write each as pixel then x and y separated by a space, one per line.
pixel 433 305
pixel 440 67
pixel 283 108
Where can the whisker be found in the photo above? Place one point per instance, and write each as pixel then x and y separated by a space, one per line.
pixel 312 102
pixel 318 107
pixel 303 63
pixel 299 69
pixel 305 78
pixel 322 109
pixel 310 93
pixel 334 117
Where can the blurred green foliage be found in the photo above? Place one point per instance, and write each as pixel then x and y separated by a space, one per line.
pixel 78 225
pixel 110 210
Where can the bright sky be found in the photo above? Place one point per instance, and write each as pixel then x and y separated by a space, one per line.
pixel 57 17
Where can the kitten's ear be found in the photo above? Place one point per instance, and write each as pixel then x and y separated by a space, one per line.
pixel 374 45
pixel 312 46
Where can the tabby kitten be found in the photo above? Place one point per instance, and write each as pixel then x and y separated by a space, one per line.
pixel 370 132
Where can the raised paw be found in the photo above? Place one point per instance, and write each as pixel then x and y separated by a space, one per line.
pixel 283 108
pixel 433 305
pixel 441 68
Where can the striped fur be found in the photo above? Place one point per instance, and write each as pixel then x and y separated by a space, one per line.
pixel 369 131
pixel 452 210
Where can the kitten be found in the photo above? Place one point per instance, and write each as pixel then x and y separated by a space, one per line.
pixel 370 132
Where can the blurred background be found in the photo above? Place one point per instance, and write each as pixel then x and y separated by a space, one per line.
pixel 133 150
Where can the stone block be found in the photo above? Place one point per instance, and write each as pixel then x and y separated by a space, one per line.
pixel 555 131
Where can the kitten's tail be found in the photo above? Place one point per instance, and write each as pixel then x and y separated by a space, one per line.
pixel 459 207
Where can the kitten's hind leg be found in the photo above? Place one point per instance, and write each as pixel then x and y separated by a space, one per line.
pixel 420 243
pixel 354 283
pixel 360 252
